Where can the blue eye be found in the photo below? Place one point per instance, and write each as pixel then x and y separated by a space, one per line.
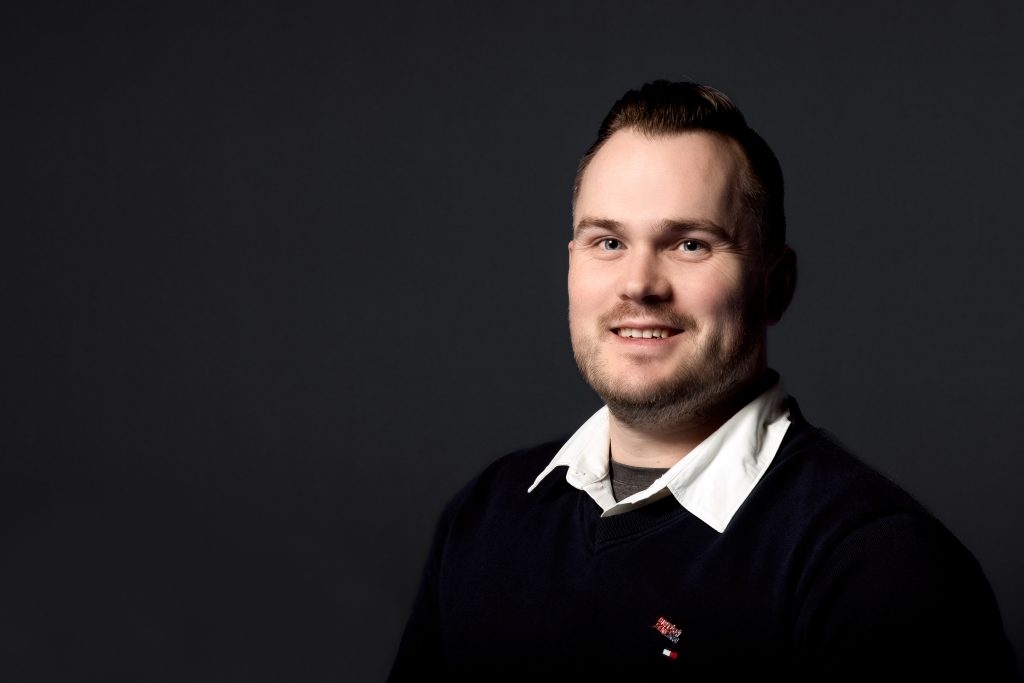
pixel 611 244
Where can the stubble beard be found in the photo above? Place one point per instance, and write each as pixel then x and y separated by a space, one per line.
pixel 705 387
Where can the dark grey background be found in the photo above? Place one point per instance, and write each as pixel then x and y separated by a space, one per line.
pixel 278 279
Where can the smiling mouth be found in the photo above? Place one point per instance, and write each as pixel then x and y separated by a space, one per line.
pixel 646 333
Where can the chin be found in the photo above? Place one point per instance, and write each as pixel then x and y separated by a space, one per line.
pixel 691 395
pixel 698 388
pixel 674 403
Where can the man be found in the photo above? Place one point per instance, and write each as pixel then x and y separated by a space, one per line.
pixel 696 526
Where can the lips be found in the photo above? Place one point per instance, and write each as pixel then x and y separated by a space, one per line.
pixel 652 323
pixel 645 332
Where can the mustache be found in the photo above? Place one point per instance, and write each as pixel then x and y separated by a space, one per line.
pixel 658 313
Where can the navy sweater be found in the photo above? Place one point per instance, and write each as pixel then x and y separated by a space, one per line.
pixel 828 571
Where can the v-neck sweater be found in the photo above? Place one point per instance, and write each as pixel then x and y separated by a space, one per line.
pixel 828 571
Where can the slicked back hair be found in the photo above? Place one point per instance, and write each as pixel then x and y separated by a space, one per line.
pixel 666 108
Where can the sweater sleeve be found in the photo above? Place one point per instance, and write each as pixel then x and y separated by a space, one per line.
pixel 420 651
pixel 901 597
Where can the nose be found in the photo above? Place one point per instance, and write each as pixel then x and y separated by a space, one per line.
pixel 643 280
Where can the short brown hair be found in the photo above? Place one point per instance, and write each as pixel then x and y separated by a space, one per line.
pixel 665 107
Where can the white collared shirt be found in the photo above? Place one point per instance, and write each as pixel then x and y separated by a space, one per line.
pixel 711 481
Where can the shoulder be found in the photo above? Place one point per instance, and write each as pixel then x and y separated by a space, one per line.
pixel 517 469
pixel 814 472
pixel 838 503
pixel 819 502
pixel 504 482
pixel 836 518
pixel 879 574
pixel 521 465
pixel 901 593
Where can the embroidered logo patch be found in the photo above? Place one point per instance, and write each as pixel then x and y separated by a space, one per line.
pixel 668 629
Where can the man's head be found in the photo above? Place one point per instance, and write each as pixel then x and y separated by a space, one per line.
pixel 664 108
pixel 678 260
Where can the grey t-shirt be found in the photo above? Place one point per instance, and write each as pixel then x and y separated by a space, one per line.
pixel 627 479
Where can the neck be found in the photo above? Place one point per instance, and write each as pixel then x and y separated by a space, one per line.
pixel 663 445
pixel 644 447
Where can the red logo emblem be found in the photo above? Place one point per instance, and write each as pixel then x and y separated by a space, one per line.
pixel 668 629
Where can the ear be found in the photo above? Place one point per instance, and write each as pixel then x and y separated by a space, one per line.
pixel 780 283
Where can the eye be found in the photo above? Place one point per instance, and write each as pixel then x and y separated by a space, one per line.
pixel 610 244
pixel 691 246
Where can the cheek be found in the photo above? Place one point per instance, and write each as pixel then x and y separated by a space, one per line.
pixel 720 302
pixel 722 326
pixel 585 293
pixel 713 296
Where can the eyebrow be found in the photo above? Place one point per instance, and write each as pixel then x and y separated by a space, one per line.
pixel 667 226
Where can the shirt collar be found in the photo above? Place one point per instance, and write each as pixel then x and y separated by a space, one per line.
pixel 711 481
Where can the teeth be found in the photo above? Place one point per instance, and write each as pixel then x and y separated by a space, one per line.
pixel 643 334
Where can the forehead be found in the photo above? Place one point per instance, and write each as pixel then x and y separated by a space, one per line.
pixel 636 178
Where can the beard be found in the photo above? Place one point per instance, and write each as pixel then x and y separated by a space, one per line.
pixel 706 386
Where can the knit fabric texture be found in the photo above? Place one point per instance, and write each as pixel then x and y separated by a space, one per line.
pixel 828 571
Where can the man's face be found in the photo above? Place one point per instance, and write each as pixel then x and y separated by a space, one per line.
pixel 666 309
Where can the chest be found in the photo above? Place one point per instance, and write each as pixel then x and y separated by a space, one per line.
pixel 560 584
